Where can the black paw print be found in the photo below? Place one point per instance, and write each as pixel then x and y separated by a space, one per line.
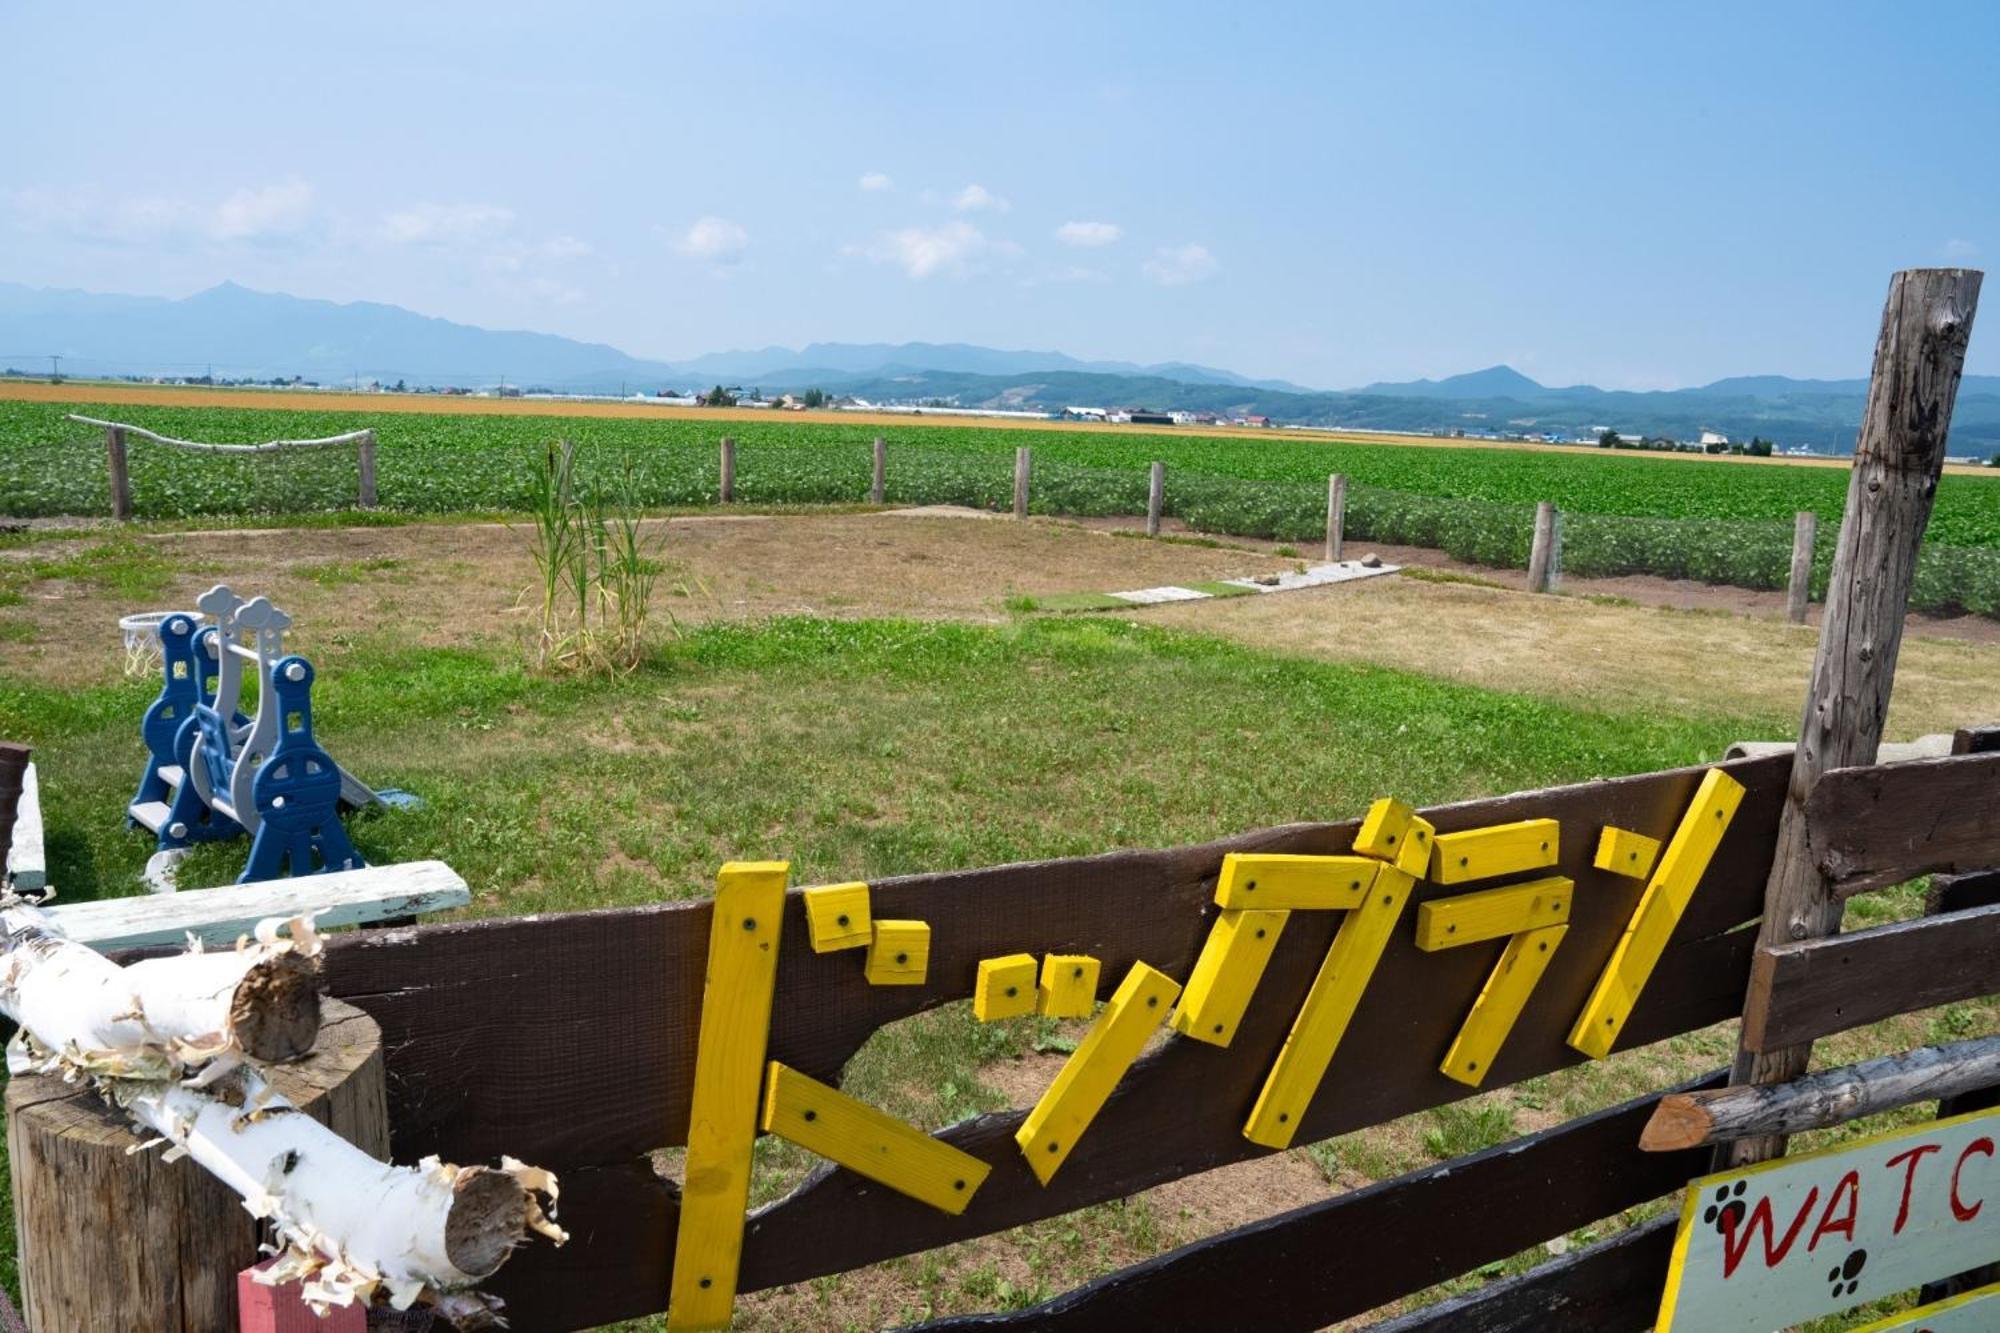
pixel 1846 1278
pixel 1726 1213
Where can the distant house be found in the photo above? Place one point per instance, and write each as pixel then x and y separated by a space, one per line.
pixel 1084 413
pixel 1186 418
pixel 1156 418
pixel 1709 437
pixel 1256 421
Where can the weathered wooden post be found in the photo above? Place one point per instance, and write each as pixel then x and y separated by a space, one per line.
pixel 1022 465
pixel 1542 556
pixel 1798 591
pixel 1336 514
pixel 1919 356
pixel 878 488
pixel 121 483
pixel 367 468
pixel 114 1238
pixel 728 489
pixel 1156 497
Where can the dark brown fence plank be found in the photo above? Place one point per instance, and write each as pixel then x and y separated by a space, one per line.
pixel 1612 1287
pixel 1868 827
pixel 568 1040
pixel 499 1030
pixel 1392 1238
pixel 621 1220
pixel 1801 992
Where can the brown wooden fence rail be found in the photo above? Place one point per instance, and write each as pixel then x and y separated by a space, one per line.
pixel 569 1040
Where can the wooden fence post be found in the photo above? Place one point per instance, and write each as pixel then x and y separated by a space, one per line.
pixel 1156 497
pixel 121 483
pixel 878 488
pixel 1898 459
pixel 367 467
pixel 1336 514
pixel 1542 556
pixel 1805 531
pixel 728 490
pixel 1021 468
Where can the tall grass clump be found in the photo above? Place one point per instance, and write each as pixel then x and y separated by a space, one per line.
pixel 596 571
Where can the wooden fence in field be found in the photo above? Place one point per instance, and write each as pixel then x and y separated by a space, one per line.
pixel 572 1039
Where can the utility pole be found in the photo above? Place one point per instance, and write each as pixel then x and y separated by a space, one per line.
pixel 55 369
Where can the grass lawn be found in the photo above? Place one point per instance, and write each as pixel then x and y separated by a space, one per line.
pixel 866 747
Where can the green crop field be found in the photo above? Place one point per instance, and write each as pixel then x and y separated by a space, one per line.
pixel 1714 521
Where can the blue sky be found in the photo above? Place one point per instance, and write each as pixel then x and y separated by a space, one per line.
pixel 1631 196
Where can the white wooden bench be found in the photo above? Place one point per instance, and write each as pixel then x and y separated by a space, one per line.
pixel 220 915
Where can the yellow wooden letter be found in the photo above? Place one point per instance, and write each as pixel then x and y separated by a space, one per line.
pixel 1501 849
pixel 1659 911
pixel 1624 852
pixel 1383 829
pixel 1094 1068
pixel 899 954
pixel 1413 856
pixel 1445 923
pixel 1329 1006
pixel 1069 985
pixel 1282 882
pixel 1499 1004
pixel 837 917
pixel 728 1070
pixel 1226 974
pixel 827 1121
pixel 1005 989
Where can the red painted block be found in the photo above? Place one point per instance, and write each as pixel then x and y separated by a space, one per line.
pixel 262 1309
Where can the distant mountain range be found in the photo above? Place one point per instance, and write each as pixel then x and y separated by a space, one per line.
pixel 232 332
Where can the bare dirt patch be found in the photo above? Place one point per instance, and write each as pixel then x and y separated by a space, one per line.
pixel 1630 657
pixel 1643 589
pixel 440 585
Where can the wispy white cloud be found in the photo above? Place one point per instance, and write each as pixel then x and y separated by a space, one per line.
pixel 1179 265
pixel 565 247
pixel 264 212
pixel 979 199
pixel 252 214
pixel 953 249
pixel 1957 248
pixel 715 240
pixel 1088 234
pixel 446 224
pixel 876 181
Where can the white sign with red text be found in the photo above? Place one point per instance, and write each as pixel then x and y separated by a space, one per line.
pixel 1783 1241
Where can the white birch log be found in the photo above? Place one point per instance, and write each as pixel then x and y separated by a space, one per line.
pixel 157 1018
pixel 346 1224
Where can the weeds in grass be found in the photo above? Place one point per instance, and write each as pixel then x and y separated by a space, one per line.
pixel 1461 1128
pixel 597 572
pixel 1422 575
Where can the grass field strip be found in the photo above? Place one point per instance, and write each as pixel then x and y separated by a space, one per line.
pixel 1317 576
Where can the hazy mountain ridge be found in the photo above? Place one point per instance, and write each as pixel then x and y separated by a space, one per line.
pixel 234 332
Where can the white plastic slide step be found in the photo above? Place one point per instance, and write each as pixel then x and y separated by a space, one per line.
pixel 149 815
pixel 171 774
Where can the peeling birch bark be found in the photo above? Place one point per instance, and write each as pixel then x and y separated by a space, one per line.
pixel 346 1224
pixel 164 1040
pixel 155 1018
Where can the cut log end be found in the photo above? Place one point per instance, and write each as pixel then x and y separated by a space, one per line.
pixel 489 1217
pixel 1678 1122
pixel 275 1012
